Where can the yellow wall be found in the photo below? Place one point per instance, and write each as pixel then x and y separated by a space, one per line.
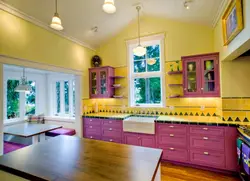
pixel 240 44
pixel 22 39
pixel 181 39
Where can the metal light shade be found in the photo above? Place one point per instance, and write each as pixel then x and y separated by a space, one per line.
pixel 23 86
pixel 56 22
pixel 109 6
pixel 139 51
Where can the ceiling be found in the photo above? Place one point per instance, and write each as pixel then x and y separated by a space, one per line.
pixel 80 16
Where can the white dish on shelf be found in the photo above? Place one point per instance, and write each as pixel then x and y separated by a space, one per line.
pixel 116 85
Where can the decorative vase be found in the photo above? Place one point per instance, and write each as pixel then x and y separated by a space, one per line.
pixel 209 65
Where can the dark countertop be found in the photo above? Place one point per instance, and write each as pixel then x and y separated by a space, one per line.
pixel 73 158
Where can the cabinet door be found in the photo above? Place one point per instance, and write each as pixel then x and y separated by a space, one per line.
pixel 191 78
pixel 103 82
pixel 147 140
pixel 93 84
pixel 131 139
pixel 210 76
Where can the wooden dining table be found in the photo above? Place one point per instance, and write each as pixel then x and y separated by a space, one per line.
pixel 34 130
pixel 69 158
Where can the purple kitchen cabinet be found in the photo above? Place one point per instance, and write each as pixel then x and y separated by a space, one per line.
pixel 139 139
pixel 100 82
pixel 201 75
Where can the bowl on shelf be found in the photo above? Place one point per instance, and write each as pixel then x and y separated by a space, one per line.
pixel 117 85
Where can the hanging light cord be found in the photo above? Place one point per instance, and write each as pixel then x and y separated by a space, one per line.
pixel 56 6
pixel 138 9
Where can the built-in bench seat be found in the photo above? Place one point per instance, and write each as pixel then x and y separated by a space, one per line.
pixel 10 146
pixel 61 131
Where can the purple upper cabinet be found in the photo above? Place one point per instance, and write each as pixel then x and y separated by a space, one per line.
pixel 100 82
pixel 201 75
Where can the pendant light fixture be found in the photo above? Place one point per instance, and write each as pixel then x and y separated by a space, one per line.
pixel 109 6
pixel 56 22
pixel 23 86
pixel 139 50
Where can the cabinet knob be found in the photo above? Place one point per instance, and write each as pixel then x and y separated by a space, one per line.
pixel 90 120
pixel 206 153
pixel 205 129
pixel 171 126
pixel 110 122
pixel 91 137
pixel 205 138
pixel 110 129
pixel 171 135
pixel 111 140
pixel 172 149
pixel 202 88
pixel 90 127
pixel 185 89
pixel 139 138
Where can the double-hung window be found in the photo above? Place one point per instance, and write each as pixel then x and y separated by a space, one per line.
pixel 147 74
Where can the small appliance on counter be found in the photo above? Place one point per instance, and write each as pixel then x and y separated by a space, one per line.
pixel 243 151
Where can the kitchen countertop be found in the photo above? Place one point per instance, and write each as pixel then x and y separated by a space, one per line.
pixel 191 120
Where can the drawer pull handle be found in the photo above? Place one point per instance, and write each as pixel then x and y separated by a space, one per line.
pixel 90 127
pixel 205 129
pixel 110 129
pixel 111 140
pixel 91 137
pixel 205 138
pixel 172 149
pixel 171 135
pixel 90 120
pixel 110 122
pixel 171 126
pixel 206 153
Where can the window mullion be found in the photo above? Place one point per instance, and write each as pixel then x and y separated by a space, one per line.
pixel 62 98
pixel 70 98
pixel 22 104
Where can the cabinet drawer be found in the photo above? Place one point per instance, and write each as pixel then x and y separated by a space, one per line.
pixel 112 133
pixel 175 154
pixel 206 158
pixel 115 140
pixel 90 136
pixel 178 140
pixel 171 128
pixel 207 142
pixel 92 121
pixel 93 130
pixel 208 130
pixel 112 123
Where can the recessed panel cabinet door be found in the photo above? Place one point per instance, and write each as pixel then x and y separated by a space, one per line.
pixel 93 84
pixel 131 139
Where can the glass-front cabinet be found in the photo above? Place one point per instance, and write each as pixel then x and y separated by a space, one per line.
pixel 101 81
pixel 201 75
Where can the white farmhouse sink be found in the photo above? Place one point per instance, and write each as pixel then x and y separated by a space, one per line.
pixel 138 124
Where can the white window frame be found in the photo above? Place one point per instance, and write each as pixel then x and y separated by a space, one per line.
pixel 146 41
pixel 16 75
pixel 52 79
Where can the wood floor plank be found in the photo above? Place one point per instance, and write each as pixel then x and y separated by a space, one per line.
pixel 171 172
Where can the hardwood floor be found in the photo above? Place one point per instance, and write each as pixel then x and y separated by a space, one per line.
pixel 171 172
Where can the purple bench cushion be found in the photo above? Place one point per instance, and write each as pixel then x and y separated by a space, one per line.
pixel 9 146
pixel 61 131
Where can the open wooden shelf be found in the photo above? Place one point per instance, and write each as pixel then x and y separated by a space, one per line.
pixel 175 96
pixel 174 72
pixel 175 85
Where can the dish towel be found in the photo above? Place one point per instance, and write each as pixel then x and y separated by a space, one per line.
pixel 239 149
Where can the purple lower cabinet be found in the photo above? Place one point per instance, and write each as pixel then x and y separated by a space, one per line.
pixel 175 154
pixel 131 139
pixel 136 139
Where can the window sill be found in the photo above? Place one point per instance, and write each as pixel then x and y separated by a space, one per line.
pixel 12 122
pixel 60 119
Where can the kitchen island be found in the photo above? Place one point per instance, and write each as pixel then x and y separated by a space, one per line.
pixel 72 158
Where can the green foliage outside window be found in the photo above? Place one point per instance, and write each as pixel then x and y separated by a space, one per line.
pixel 12 99
pixel 30 105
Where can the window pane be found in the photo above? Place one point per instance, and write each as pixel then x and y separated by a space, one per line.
pixel 153 64
pixel 58 97
pixel 154 90
pixel 140 66
pixel 12 99
pixel 66 96
pixel 30 103
pixel 74 98
pixel 153 51
pixel 139 85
